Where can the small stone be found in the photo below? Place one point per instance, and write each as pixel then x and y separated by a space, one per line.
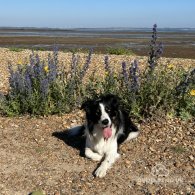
pixel 177 164
pixel 175 139
pixel 57 193
pixel 73 121
pixel 188 189
pixel 188 168
pixel 138 183
pixel 152 149
pixel 191 157
pixel 127 162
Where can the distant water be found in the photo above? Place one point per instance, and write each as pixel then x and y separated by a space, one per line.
pixel 98 32
pixel 178 42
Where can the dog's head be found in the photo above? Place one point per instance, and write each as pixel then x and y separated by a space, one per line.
pixel 102 111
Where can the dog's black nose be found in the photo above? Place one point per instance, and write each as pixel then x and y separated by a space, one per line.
pixel 105 121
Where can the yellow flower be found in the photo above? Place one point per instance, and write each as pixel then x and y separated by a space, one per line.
pixel 170 66
pixel 106 73
pixel 192 92
pixel 170 114
pixel 19 62
pixel 115 76
pixel 46 68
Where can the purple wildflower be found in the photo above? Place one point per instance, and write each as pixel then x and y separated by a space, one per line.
pixel 55 55
pixel 44 88
pixel 156 50
pixel 11 77
pixel 52 66
pixel 189 78
pixel 106 62
pixel 37 60
pixel 124 73
pixel 134 75
pixel 15 79
pixel 32 59
pixel 74 64
pixel 28 84
pixel 86 65
pixel 154 34
pixel 159 50
pixel 107 65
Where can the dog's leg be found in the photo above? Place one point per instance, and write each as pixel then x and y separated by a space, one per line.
pixel 132 135
pixel 110 158
pixel 92 155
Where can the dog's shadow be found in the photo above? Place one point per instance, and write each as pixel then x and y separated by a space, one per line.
pixel 75 141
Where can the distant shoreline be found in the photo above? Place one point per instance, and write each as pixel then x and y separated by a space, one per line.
pixel 179 44
pixel 130 29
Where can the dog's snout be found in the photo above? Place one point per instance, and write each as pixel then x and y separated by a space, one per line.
pixel 105 122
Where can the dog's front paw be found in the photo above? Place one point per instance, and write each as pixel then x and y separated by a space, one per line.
pixel 101 171
pixel 92 155
pixel 96 157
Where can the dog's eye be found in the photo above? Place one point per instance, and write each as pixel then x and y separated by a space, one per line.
pixel 107 109
pixel 97 112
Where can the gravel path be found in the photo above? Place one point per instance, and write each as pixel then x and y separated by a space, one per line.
pixel 35 153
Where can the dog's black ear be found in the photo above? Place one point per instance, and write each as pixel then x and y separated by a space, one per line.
pixel 87 105
pixel 115 100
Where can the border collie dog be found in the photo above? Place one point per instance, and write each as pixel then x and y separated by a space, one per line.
pixel 107 126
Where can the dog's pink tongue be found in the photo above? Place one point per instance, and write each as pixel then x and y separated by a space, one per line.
pixel 107 132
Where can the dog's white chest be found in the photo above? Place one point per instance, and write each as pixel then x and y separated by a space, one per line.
pixel 103 146
pixel 99 144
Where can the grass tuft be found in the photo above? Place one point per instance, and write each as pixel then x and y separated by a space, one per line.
pixel 15 49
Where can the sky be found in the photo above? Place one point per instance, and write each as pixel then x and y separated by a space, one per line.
pixel 97 13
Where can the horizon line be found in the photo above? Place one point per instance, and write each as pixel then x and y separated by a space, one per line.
pixel 64 28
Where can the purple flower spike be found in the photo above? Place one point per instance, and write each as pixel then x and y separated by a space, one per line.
pixel 124 73
pixel 134 75
pixel 155 50
pixel 86 65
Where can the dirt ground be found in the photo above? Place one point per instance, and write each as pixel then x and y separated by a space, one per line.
pixel 37 155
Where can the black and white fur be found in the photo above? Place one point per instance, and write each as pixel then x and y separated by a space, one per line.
pixel 101 113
